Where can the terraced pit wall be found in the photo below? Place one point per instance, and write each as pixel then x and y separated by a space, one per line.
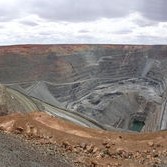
pixel 114 84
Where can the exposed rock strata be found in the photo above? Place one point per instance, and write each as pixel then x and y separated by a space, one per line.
pixel 113 84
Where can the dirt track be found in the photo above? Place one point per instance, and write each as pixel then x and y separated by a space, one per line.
pixel 17 153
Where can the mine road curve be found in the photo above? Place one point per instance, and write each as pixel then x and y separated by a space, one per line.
pixel 68 115
pixel 53 83
pixel 30 105
pixel 163 117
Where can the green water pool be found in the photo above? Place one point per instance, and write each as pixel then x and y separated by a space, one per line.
pixel 137 125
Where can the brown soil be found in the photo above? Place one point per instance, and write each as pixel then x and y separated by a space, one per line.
pixel 17 152
pixel 89 147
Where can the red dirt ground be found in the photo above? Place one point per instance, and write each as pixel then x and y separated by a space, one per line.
pixel 90 147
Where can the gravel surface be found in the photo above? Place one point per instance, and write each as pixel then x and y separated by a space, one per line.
pixel 17 153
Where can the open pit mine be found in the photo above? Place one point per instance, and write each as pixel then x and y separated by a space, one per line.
pixel 100 105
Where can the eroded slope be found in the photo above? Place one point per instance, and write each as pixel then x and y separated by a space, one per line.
pixel 89 147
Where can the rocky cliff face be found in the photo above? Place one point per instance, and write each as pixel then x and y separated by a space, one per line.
pixel 118 85
pixel 63 63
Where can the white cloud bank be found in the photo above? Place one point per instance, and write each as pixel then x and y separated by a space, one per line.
pixel 27 27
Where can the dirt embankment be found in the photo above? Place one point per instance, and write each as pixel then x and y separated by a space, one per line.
pixel 89 147
pixel 16 152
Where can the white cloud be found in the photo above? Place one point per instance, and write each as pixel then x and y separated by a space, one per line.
pixel 33 29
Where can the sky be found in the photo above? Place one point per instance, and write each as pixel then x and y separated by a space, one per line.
pixel 83 21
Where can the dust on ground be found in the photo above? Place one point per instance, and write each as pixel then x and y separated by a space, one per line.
pixel 89 147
